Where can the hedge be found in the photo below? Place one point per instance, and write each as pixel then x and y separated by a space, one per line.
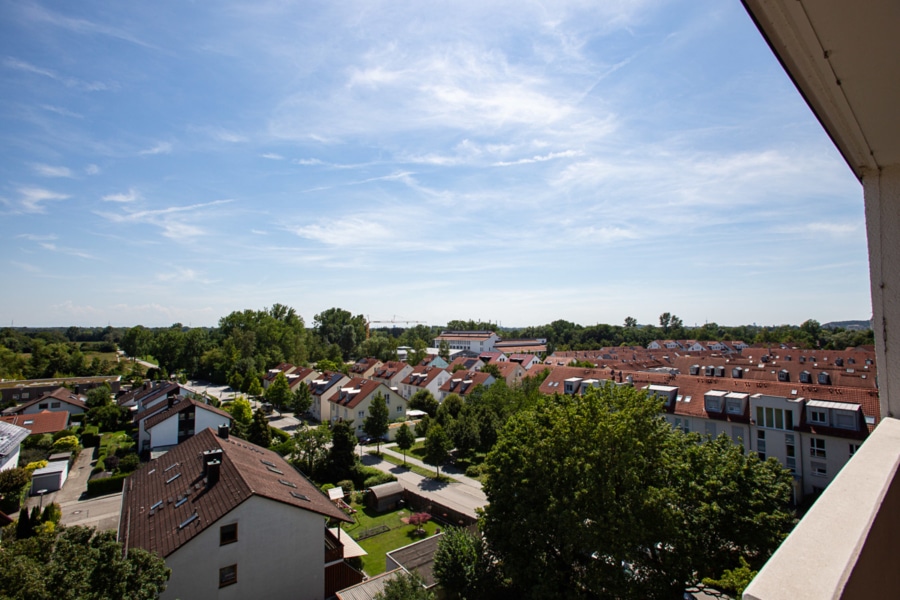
pixel 283 436
pixel 106 485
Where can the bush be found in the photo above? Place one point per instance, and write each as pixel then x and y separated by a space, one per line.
pixel 129 463
pixel 63 433
pixel 378 479
pixel 327 486
pixel 111 462
pixel 12 480
pixel 283 436
pixel 68 443
pixel 52 513
pixel 90 440
pixel 346 485
pixel 40 441
pixel 106 485
pixel 473 471
pixel 34 466
pixel 283 448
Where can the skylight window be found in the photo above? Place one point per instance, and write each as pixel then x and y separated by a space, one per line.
pixel 287 483
pixel 182 501
pixel 274 470
pixel 170 467
pixel 189 520
pixel 300 496
pixel 173 478
pixel 268 463
pixel 157 505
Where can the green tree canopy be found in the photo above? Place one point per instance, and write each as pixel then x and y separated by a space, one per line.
pixel 279 391
pixel 311 445
pixel 599 496
pixel 464 566
pixel 342 456
pixel 376 424
pixel 241 410
pixel 405 439
pixel 405 586
pixel 437 447
pixel 79 563
pixel 302 399
pixel 423 400
pixel 258 432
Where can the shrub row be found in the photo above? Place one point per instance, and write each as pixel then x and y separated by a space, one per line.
pixel 107 485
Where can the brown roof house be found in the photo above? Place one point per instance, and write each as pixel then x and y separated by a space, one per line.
pixel 354 398
pixel 11 437
pixel 424 378
pixel 40 423
pixel 179 421
pixel 59 400
pixel 225 513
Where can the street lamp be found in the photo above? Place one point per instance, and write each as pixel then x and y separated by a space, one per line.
pixel 41 494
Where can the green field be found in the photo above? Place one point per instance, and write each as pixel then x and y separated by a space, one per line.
pixel 377 546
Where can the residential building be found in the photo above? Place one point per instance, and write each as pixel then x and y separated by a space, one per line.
pixel 354 398
pixel 322 389
pixel 40 423
pixel 58 400
pixel 28 389
pixel 147 395
pixel 11 437
pixel 511 372
pixel 392 373
pixel 364 367
pixel 464 383
pixel 844 59
pixel 180 420
pixel 526 346
pixel 424 378
pixel 233 520
pixel 526 360
pixel 473 341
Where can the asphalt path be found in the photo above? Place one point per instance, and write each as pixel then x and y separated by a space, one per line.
pixel 458 496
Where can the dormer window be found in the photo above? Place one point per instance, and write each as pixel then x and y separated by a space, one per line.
pixel 805 377
pixel 824 378
pixel 818 416
pixel 737 372
pixel 784 375
pixel 695 369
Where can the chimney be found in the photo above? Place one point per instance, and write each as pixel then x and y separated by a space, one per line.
pixel 213 469
pixel 209 457
pixel 224 429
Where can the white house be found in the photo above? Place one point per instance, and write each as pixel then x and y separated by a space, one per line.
pixel 424 378
pixel 178 422
pixel 354 398
pixel 473 341
pixel 11 437
pixel 233 520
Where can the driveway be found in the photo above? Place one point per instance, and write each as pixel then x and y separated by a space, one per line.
pixel 101 512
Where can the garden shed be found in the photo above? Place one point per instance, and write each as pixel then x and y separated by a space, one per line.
pixel 50 478
pixel 386 496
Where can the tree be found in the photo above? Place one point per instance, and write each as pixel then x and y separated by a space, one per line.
pixel 437 447
pixel 376 424
pixel 108 417
pixel 444 350
pixel 302 399
pixel 630 322
pixel 493 369
pixel 423 400
pixel 464 566
pixel 449 409
pixel 664 320
pixel 405 586
pixel 254 388
pixel 136 341
pixel 312 448
pixel 342 456
pixel 258 432
pixel 241 410
pixel 418 520
pixel 279 392
pixel 99 396
pixel 79 562
pixel 465 432
pixel 24 528
pixel 599 494
pixel 405 439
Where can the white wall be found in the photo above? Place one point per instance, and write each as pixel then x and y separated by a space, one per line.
pixel 280 554
pixel 165 433
pixel 10 461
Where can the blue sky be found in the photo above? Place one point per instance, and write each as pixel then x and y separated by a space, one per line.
pixel 513 161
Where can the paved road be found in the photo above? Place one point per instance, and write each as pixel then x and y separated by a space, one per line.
pixel 458 496
pixel 455 472
pixel 101 512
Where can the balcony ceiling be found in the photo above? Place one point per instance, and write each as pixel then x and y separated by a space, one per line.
pixel 844 57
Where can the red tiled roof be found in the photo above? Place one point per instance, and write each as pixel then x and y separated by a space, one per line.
pixel 366 387
pixel 42 422
pixel 61 394
pixel 153 519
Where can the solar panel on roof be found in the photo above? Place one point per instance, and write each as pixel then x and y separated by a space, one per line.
pixel 189 520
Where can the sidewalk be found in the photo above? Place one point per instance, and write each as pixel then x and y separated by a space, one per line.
pixel 451 470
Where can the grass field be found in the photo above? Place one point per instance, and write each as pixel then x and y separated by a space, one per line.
pixel 377 546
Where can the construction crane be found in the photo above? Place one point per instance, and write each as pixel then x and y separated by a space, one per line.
pixel 394 320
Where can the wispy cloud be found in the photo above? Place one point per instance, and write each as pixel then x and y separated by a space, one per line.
pixel 165 218
pixel 92 169
pixel 61 111
pixel 536 159
pixel 272 156
pixel 34 237
pixel 130 196
pixel 27 267
pixel 184 275
pixel 159 148
pixel 83 26
pixel 72 82
pixel 31 199
pixel 67 250
pixel 51 171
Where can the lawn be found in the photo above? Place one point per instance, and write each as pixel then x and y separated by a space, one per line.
pixel 109 443
pixel 377 546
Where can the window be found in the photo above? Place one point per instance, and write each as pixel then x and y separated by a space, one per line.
pixel 733 406
pixel 42 405
pixel 227 575
pixel 761 443
pixel 54 405
pixel 853 449
pixel 844 420
pixel 818 416
pixel 774 418
pixel 819 469
pixel 817 447
pixel 228 534
pixel 791 453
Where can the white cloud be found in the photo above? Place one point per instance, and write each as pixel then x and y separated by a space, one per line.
pixel 536 159
pixel 66 250
pixel 173 221
pixel 130 196
pixel 83 26
pixel 31 198
pixel 51 171
pixel 33 237
pixel 72 82
pixel 159 148
pixel 272 156
pixel 61 111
